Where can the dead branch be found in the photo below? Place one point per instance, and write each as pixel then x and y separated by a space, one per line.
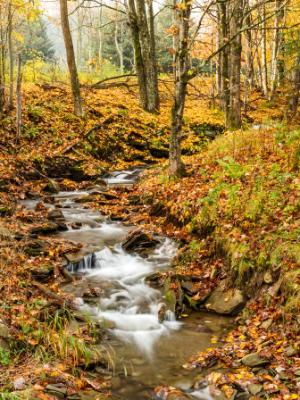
pixel 99 83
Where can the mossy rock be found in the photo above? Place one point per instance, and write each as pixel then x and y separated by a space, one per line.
pixel 225 301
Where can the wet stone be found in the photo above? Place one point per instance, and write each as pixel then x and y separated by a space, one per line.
pixel 155 280
pixel 241 396
pixel 32 195
pixel 162 310
pixel 43 274
pixel 48 228
pixel 55 214
pixel 52 187
pixel 254 360
pixel 76 225
pixel 227 302
pixel 254 388
pixel 139 241
pixel 58 390
pixel 34 248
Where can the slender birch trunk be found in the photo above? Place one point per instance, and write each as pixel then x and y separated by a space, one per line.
pixel 277 65
pixel 264 65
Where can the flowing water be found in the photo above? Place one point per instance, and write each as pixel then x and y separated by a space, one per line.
pixel 146 352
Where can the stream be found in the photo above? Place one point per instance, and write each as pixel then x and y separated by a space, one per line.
pixel 145 352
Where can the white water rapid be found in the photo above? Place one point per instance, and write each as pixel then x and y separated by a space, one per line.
pixel 131 305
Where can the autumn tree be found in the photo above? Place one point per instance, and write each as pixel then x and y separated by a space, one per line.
pixel 75 85
pixel 182 13
pixel 141 22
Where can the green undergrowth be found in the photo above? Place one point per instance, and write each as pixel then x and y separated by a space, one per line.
pixel 243 193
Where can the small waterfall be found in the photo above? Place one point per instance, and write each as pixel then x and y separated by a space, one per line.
pixel 86 263
pixel 123 177
pixel 130 304
pixel 170 316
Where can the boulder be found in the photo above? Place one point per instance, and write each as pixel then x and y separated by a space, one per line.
pixel 51 187
pixel 139 241
pixel 101 182
pixel 156 279
pixel 225 301
pixel 61 225
pixel 35 248
pixel 55 214
pixel 254 360
pixel 45 229
pixel 32 195
pixel 42 273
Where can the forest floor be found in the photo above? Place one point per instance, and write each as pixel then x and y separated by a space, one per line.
pixel 236 215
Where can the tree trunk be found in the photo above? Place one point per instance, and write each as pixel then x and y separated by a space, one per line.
pixel 141 23
pixel 264 66
pixel 100 37
pixel 2 62
pixel 11 58
pixel 19 100
pixel 224 61
pixel 154 94
pixel 119 47
pixel 219 60
pixel 294 98
pixel 71 58
pixel 233 120
pixel 277 65
pixel 138 58
pixel 249 80
pixel 182 18
pixel 79 37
